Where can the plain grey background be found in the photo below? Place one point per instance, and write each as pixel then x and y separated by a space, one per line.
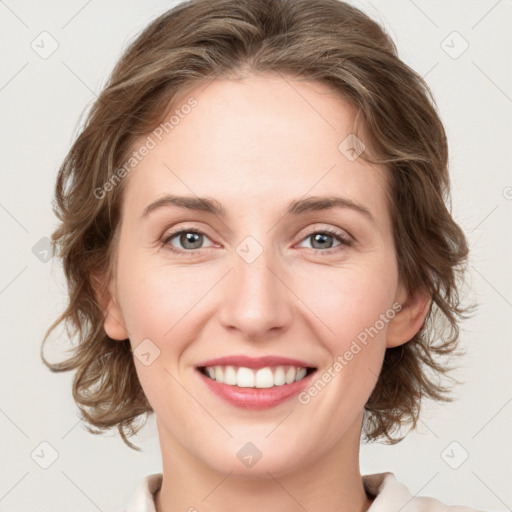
pixel 55 58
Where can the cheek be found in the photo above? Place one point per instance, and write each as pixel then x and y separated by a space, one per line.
pixel 159 301
pixel 156 297
pixel 356 307
pixel 350 300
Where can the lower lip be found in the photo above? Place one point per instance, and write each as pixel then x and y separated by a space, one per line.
pixel 256 398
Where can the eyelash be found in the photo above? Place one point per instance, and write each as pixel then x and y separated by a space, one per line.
pixel 338 235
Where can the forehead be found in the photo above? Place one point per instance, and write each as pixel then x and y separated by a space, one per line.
pixel 263 139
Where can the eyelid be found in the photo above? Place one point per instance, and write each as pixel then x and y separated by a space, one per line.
pixel 185 229
pixel 344 238
pixel 332 230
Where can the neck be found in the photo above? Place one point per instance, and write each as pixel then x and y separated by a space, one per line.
pixel 331 482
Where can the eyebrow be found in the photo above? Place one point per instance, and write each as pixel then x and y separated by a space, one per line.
pixel 295 207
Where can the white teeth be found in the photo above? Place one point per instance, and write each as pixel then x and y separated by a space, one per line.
pixel 290 375
pixel 279 376
pixel 301 373
pixel 244 378
pixel 262 378
pixel 230 376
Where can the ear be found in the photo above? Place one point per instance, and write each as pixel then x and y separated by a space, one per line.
pixel 409 320
pixel 113 318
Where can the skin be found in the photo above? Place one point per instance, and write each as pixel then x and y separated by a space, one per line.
pixel 254 144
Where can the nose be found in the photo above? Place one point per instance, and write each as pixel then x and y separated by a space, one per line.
pixel 255 300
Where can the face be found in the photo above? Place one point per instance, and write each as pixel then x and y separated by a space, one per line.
pixel 262 288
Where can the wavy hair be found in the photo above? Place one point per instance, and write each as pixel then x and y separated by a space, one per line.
pixel 324 40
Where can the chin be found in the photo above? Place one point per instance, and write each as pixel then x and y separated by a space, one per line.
pixel 249 460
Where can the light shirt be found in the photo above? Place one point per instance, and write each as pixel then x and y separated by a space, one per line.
pixel 390 496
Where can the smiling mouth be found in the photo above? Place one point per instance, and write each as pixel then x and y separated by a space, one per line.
pixel 262 378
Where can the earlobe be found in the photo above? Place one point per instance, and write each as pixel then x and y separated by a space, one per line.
pixel 113 324
pixel 113 319
pixel 409 320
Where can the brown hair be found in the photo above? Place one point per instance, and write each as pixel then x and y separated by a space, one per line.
pixel 325 40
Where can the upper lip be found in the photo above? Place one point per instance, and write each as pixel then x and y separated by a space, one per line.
pixel 254 362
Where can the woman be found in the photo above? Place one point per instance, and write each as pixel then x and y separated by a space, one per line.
pixel 255 237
